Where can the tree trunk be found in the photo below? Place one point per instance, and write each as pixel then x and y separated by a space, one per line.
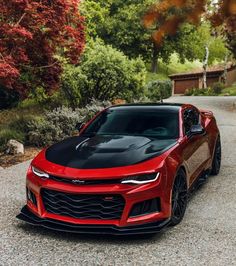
pixel 205 64
pixel 154 59
pixel 224 77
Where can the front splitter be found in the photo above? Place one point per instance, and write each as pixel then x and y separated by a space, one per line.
pixel 27 216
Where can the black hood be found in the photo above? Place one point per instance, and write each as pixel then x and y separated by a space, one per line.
pixel 105 151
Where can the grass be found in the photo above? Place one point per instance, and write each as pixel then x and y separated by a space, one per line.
pixel 164 70
pixel 15 116
pixel 230 91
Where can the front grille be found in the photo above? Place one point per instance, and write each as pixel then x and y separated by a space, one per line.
pixel 107 207
pixel 86 182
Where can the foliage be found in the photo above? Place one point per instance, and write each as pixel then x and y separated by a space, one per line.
pixel 94 107
pixel 32 33
pixel 96 14
pixel 104 18
pixel 7 134
pixel 55 126
pixel 230 91
pixel 104 74
pixel 199 92
pixel 161 75
pixel 23 122
pixel 218 87
pixel 119 23
pixel 215 90
pixel 60 123
pixel 168 16
pixel 159 89
pixel 8 98
pixel 73 81
pixel 217 48
pixel 225 15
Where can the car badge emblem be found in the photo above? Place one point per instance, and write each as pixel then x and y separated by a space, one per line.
pixel 78 182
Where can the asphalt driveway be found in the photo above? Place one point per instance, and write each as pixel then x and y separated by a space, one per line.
pixel 207 236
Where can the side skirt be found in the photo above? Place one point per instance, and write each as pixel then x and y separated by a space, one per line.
pixel 200 181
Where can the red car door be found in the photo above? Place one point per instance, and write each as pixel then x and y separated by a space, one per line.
pixel 196 150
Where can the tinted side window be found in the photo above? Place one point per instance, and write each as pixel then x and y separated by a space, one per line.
pixel 191 117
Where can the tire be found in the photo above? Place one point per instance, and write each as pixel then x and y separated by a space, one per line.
pixel 216 163
pixel 179 198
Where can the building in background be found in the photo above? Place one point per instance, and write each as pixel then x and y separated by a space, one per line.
pixel 194 79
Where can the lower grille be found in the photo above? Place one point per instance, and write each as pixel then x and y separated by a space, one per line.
pixel 107 207
pixel 146 207
pixel 31 197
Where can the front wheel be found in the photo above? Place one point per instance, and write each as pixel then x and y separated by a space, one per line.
pixel 216 163
pixel 179 198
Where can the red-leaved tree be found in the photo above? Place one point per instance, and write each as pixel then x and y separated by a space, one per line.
pixel 32 33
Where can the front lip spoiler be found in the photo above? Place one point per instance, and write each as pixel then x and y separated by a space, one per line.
pixel 148 228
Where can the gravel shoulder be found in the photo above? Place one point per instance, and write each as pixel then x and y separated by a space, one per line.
pixel 207 236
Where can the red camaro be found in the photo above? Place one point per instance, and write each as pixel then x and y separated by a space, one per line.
pixel 128 172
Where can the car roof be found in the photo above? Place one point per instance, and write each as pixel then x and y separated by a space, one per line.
pixel 167 107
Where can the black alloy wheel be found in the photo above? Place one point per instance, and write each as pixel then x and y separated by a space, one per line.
pixel 179 198
pixel 216 163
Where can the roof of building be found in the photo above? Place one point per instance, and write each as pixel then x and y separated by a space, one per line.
pixel 217 69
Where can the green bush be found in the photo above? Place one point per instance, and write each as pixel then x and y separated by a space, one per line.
pixel 72 83
pixel 23 122
pixel 199 92
pixel 60 123
pixel 94 107
pixel 6 134
pixel 218 87
pixel 159 89
pixel 55 126
pixel 104 74
pixel 189 92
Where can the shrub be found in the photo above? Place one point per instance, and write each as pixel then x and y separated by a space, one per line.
pixel 199 92
pixel 104 74
pixel 92 109
pixel 72 83
pixel 189 92
pixel 218 87
pixel 6 134
pixel 23 122
pixel 159 89
pixel 60 123
pixel 55 126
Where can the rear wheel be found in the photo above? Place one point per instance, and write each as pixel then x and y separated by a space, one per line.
pixel 216 163
pixel 179 198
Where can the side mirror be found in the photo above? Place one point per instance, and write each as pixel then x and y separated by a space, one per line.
pixel 79 126
pixel 197 130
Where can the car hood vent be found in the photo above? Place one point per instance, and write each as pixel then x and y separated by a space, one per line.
pixel 106 151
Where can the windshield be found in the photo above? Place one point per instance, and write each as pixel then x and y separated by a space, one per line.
pixel 154 124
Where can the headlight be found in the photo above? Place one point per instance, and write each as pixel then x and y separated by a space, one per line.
pixel 141 179
pixel 39 173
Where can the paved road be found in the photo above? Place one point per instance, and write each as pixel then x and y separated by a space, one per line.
pixel 207 236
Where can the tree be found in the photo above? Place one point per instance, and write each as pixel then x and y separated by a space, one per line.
pixel 104 74
pixel 32 33
pixel 119 23
pixel 168 16
pixel 225 15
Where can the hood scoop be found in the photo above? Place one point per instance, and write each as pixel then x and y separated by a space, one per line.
pixel 105 151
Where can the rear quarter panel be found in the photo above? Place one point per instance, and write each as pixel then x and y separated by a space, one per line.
pixel 212 130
